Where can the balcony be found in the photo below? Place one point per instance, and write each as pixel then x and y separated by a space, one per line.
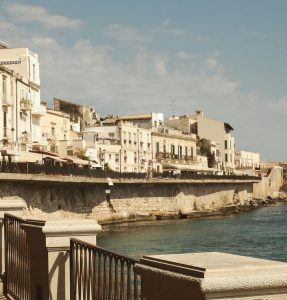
pixel 39 111
pixel 26 104
pixel 175 157
pixel 7 100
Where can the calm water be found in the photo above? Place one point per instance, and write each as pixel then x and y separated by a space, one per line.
pixel 258 233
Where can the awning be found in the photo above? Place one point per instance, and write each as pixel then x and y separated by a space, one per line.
pixel 76 160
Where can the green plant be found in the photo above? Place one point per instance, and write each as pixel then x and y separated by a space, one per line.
pixel 81 154
pixel 26 102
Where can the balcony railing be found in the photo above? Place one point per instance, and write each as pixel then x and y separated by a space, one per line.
pixel 166 155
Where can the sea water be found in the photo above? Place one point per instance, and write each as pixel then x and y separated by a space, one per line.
pixel 258 233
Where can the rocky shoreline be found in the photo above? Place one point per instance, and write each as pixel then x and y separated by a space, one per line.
pixel 224 211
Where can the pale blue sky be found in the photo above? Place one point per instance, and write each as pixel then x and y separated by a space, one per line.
pixel 227 58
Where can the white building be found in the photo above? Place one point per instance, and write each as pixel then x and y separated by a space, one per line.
pixel 245 159
pixel 124 147
pixel 22 89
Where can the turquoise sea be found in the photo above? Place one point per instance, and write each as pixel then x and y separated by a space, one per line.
pixel 259 233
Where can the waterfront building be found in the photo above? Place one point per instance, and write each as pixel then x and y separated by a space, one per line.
pixel 213 130
pixel 174 150
pixel 246 159
pixel 20 97
pixel 124 147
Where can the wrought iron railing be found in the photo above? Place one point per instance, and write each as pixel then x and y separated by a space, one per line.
pixel 17 279
pixel 100 274
pixel 68 170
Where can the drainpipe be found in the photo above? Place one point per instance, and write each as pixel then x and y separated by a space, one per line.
pixel 16 111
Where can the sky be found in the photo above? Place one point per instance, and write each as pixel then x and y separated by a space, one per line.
pixel 224 57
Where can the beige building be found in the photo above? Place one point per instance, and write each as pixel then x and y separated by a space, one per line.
pixel 171 147
pixel 146 121
pixel 213 130
pixel 20 96
pixel 57 133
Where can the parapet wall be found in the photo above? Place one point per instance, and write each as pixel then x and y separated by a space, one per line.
pixel 50 198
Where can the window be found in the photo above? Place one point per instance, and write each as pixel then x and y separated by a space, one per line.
pixel 53 131
pixel 157 147
pixel 226 144
pixel 172 149
pixel 226 157
pixel 34 72
pixel 4 85
pixel 179 152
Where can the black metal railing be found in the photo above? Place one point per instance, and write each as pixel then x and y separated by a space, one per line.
pixel 71 170
pixel 96 273
pixel 17 279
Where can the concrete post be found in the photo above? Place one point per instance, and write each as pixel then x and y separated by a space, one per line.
pixel 14 206
pixel 57 234
pixel 211 275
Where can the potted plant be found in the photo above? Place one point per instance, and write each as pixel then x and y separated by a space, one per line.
pixel 26 104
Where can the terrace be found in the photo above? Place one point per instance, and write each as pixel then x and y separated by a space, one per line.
pixel 60 259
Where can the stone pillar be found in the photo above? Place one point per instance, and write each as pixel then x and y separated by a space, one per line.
pixel 211 275
pixel 57 234
pixel 14 206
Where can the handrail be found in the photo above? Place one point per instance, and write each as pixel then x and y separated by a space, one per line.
pixel 17 279
pixel 97 273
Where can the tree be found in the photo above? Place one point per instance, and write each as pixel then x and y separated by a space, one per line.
pixel 204 149
pixel 81 154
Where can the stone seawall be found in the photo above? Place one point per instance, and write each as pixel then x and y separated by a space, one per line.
pixel 49 198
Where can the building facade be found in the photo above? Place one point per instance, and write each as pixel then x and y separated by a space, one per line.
pixel 245 159
pixel 170 147
pixel 212 130
pixel 20 96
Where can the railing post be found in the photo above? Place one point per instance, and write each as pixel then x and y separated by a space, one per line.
pixel 58 234
pixel 12 205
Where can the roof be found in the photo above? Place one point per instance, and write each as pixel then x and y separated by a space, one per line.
pixel 228 126
pixel 136 117
pixel 75 160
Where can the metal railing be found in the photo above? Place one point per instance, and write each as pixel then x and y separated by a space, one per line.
pixel 17 279
pixel 70 170
pixel 96 273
